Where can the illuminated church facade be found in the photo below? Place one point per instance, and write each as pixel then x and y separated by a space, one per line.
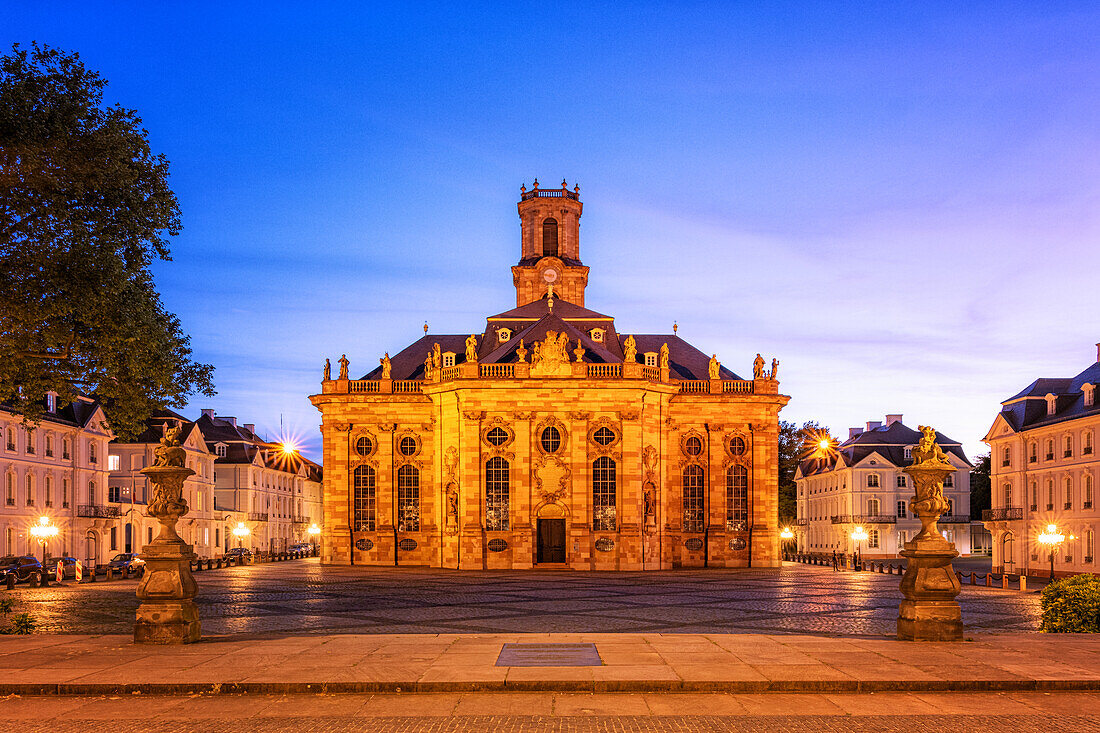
pixel 549 439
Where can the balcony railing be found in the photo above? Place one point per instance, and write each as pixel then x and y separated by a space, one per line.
pixel 955 519
pixel 1001 514
pixel 257 516
pixel 299 519
pixel 802 521
pixel 522 370
pixel 865 519
pixel 98 511
pixel 549 193
pixel 506 371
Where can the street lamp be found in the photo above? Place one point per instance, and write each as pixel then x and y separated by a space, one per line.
pixel 314 530
pixel 1053 539
pixel 241 531
pixel 44 531
pixel 858 534
pixel 786 534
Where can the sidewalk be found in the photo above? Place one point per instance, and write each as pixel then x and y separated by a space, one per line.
pixel 94 665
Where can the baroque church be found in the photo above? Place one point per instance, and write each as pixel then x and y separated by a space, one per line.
pixel 549 439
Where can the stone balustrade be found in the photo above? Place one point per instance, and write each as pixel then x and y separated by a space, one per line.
pixel 522 370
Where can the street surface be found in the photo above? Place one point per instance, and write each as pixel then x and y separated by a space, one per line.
pixel 944 712
pixel 304 597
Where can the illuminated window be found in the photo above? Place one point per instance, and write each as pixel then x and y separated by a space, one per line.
pixel 408 498
pixel 692 484
pixel 114 463
pixel 872 538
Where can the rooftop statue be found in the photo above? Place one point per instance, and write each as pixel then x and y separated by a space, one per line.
pixel 344 366
pixel 471 349
pixel 663 356
pixel 775 369
pixel 758 367
pixel 630 349
pixel 386 368
pixel 714 366
pixel 328 370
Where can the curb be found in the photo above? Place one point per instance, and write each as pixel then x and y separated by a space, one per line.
pixel 412 686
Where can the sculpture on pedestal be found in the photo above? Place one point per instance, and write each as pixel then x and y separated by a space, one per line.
pixel 758 367
pixel 630 350
pixel 662 358
pixel 713 366
pixel 386 367
pixel 328 370
pixel 929 611
pixel 167 614
pixel 344 366
pixel 471 349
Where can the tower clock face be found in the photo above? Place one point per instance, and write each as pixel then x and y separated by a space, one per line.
pixel 550 275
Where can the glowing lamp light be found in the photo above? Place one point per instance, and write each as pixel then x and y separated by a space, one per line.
pixel 314 530
pixel 786 533
pixel 241 531
pixel 44 530
pixel 859 534
pixel 1051 536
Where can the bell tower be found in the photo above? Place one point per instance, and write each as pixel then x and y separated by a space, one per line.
pixel 550 220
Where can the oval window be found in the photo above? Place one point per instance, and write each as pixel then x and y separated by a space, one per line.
pixel 498 545
pixel 737 446
pixel 497 436
pixel 407 544
pixel 551 439
pixel 407 446
pixel 693 446
pixel 364 446
pixel 604 436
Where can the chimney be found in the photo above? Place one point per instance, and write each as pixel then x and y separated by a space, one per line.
pixel 231 420
pixel 250 427
pixel 208 413
pixel 891 419
pixel 873 425
pixel 853 432
pixel 1098 352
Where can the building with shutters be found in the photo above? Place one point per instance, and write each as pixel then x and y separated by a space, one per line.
pixel 548 438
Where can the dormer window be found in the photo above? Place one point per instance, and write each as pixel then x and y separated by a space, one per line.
pixel 908 454
pixel 219 449
pixel 51 402
pixel 448 358
pixel 1052 404
pixel 504 334
pixel 596 334
pixel 651 358
pixel 1090 394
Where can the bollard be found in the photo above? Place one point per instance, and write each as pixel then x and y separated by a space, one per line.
pixel 989 580
pixel 109 575
pixel 1004 580
pixel 974 578
pixel 1023 583
pixel 32 580
pixel 43 580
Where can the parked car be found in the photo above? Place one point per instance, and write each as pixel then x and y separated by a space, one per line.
pixel 21 566
pixel 127 563
pixel 300 547
pixel 238 552
pixel 68 566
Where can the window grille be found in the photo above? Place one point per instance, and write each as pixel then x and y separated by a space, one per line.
pixel 496 494
pixel 737 446
pixel 693 498
pixel 550 439
pixel 408 498
pixel 693 446
pixel 604 436
pixel 737 499
pixel 497 436
pixel 604 518
pixel 364 446
pixel 364 499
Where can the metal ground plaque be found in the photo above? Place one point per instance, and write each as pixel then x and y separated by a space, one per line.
pixel 549 655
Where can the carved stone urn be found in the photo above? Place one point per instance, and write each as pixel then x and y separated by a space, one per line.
pixel 929 611
pixel 167 614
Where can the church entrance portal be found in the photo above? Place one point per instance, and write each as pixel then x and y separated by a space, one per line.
pixel 551 541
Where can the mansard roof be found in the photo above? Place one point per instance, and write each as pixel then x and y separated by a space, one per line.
pixel 531 322
pixel 887 441
pixel 77 413
pixel 1028 408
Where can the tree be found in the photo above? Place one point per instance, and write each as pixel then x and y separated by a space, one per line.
pixel 795 443
pixel 85 208
pixel 980 497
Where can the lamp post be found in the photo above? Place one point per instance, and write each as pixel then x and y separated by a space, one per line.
pixel 43 531
pixel 314 530
pixel 787 535
pixel 241 532
pixel 1053 539
pixel 859 534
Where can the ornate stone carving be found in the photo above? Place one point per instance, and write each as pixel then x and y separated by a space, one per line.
pixel 344 366
pixel 929 611
pixel 662 356
pixel 579 415
pixel 628 415
pixel 550 358
pixel 595 449
pixel 630 350
pixel 402 458
pixel 551 478
pixel 501 450
pixel 579 351
pixel 167 614
pixel 550 421
pixel 474 414
pixel 686 457
pixel 521 352
pixel 471 349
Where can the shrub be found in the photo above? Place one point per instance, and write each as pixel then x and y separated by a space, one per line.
pixel 23 623
pixel 1072 605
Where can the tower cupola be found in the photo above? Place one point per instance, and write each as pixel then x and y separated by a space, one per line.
pixel 550 220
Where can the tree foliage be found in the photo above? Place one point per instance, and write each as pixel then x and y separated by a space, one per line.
pixel 85 209
pixel 795 443
pixel 980 497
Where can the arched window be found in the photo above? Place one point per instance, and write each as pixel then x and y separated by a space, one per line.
pixel 1007 550
pixel 550 237
pixel 364 499
pixel 1034 496
pixel 692 484
pixel 737 499
pixel 1050 449
pixel 91 492
pixel 30 490
pixel 872 480
pixel 872 507
pixel 950 508
pixel 49 491
pixel 949 480
pixel 1069 493
pixel 1090 545
pixel 1050 494
pixel 1067 447
pixel 408 499
pixel 604 517
pixel 496 493
pixel 1086 448
pixel 1033 453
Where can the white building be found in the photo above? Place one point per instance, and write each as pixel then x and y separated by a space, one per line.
pixel 1044 469
pixel 57 469
pixel 860 483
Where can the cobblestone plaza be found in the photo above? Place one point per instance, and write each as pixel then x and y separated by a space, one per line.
pixel 304 597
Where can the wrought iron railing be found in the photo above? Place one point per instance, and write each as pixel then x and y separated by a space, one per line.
pixel 1003 513
pixel 98 510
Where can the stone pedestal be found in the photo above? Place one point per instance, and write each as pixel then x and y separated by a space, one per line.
pixel 167 614
pixel 929 611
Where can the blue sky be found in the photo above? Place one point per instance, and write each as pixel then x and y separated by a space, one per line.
pixel 901 203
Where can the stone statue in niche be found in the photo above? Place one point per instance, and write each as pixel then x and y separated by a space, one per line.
pixel 386 368
pixel 344 366
pixel 712 368
pixel 758 367
pixel 471 349
pixel 662 357
pixel 630 349
pixel 328 370
pixel 452 505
